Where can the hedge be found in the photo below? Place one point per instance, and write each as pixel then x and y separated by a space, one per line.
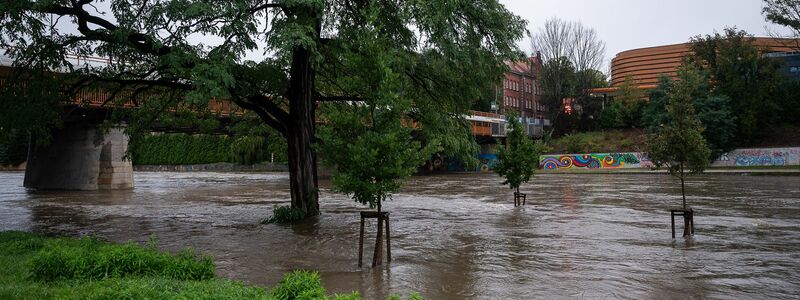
pixel 185 149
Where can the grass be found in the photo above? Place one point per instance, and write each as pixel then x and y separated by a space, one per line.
pixel 629 140
pixel 38 267
pixel 284 215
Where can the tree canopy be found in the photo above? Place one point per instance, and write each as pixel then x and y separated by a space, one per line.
pixel 276 59
pixel 737 69
pixel 518 160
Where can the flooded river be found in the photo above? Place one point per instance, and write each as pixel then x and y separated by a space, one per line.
pixel 460 236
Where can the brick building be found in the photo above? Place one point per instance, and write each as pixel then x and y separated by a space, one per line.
pixel 521 90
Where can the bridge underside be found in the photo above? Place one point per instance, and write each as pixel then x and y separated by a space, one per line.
pixel 80 156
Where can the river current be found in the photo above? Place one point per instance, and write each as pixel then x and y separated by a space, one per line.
pixel 459 236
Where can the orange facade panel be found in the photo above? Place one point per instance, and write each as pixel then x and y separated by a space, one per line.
pixel 646 65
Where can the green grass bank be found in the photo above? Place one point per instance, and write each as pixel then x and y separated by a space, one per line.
pixel 39 267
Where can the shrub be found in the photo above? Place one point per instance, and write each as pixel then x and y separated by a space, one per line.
pixel 14 150
pixel 574 143
pixel 299 285
pixel 89 258
pixel 284 214
pixel 247 150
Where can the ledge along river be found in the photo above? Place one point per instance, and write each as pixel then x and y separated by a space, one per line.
pixel 459 236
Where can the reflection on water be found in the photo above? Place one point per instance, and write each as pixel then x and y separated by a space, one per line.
pixel 459 236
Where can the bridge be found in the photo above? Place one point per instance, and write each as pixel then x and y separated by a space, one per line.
pixel 81 156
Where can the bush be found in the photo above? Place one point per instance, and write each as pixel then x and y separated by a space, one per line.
pixel 299 285
pixel 574 143
pixel 185 149
pixel 90 259
pixel 14 150
pixel 179 149
pixel 284 214
pixel 247 150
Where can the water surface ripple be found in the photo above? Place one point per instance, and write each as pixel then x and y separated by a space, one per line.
pixel 459 236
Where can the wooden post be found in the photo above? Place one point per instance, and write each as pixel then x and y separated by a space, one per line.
pixel 519 199
pixel 361 242
pixel 688 220
pixel 389 241
pixel 377 257
pixel 671 217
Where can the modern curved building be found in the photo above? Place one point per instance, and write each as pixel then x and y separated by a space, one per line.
pixel 646 65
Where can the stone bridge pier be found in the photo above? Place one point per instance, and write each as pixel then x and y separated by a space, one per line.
pixel 80 156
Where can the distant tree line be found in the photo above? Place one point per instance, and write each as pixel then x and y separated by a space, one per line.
pixel 741 96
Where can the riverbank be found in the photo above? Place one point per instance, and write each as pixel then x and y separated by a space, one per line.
pixel 755 171
pixel 36 267
pixel 216 167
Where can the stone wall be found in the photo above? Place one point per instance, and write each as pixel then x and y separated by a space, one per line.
pixel 81 157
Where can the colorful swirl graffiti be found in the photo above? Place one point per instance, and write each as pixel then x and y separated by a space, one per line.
pixel 594 161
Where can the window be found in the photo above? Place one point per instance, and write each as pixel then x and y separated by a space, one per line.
pixel 794 69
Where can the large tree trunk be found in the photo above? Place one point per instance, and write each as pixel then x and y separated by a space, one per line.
pixel 301 134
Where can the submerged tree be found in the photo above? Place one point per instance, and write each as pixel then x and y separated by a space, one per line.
pixel 678 143
pixel 173 54
pixel 518 160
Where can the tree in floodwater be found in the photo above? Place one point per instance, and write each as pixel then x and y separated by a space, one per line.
pixel 369 145
pixel 678 143
pixel 518 160
pixel 166 55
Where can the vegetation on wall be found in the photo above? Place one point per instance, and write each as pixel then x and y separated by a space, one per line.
pixel 183 149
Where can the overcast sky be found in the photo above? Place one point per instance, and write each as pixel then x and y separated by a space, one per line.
pixel 630 24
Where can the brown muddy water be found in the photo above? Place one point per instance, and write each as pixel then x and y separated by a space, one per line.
pixel 459 236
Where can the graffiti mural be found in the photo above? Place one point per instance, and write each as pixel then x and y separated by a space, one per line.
pixel 486 162
pixel 594 161
pixel 759 157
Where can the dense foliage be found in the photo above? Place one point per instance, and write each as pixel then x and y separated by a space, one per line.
pixel 37 267
pixel 678 143
pixel 371 148
pixel 519 158
pixel 181 54
pixel 14 150
pixel 737 69
pixel 183 149
pixel 626 108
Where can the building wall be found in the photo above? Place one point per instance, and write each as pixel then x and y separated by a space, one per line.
pixel 647 64
pixel 521 90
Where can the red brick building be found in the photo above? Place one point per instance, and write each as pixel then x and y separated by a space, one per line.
pixel 522 90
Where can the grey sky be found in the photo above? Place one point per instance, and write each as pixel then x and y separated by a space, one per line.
pixel 630 24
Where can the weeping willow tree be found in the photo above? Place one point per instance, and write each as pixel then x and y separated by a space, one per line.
pixel 277 59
